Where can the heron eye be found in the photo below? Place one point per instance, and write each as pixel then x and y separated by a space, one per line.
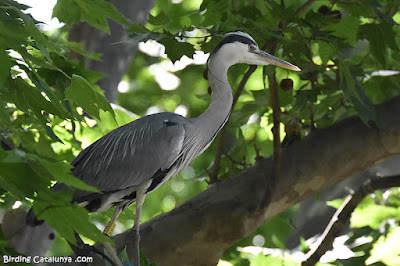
pixel 252 47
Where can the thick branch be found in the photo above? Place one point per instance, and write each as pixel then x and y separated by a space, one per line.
pixel 198 231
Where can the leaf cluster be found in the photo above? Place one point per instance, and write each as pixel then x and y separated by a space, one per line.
pixel 45 98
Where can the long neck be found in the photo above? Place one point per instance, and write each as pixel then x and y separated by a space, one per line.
pixel 212 120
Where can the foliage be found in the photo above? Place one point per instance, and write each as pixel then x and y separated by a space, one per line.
pixel 39 89
pixel 53 108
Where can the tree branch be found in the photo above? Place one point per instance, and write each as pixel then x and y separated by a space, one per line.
pixel 198 231
pixel 343 214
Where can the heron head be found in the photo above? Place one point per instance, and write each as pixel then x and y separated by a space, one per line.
pixel 240 47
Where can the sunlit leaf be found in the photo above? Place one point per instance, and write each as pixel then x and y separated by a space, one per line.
pixel 335 203
pixel 386 249
pixel 61 172
pixel 67 219
pixel 160 19
pixel 85 96
pixel 95 12
pixel 373 215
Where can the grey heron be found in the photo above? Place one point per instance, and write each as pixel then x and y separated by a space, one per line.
pixel 135 159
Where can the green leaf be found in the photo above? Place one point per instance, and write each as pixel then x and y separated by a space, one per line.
pixel 138 28
pixel 4 66
pixel 352 89
pixel 51 133
pixel 208 45
pixel 24 27
pixel 29 100
pixel 346 28
pixel 326 51
pixel 380 36
pixel 35 99
pixel 386 249
pixel 160 19
pixel 85 96
pixel 77 47
pixel 139 33
pixel 372 215
pixel 336 203
pixel 66 219
pixel 13 174
pixel 15 4
pixel 175 50
pixel 13 33
pixel 61 172
pixel 39 62
pixel 262 260
pixel 94 12
pixel 38 36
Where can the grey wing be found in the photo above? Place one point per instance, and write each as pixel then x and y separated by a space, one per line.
pixel 131 155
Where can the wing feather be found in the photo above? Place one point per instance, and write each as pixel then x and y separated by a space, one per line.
pixel 132 154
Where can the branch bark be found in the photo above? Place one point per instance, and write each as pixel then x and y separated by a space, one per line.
pixel 198 231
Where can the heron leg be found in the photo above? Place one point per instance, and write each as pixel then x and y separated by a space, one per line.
pixel 111 224
pixel 108 231
pixel 140 197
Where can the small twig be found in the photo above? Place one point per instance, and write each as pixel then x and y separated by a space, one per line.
pixel 312 120
pixel 333 3
pixel 343 214
pixel 258 156
pixel 304 7
pixel 362 61
pixel 244 165
pixel 5 144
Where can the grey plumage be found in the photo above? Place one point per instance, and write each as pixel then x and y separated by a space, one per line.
pixel 136 158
